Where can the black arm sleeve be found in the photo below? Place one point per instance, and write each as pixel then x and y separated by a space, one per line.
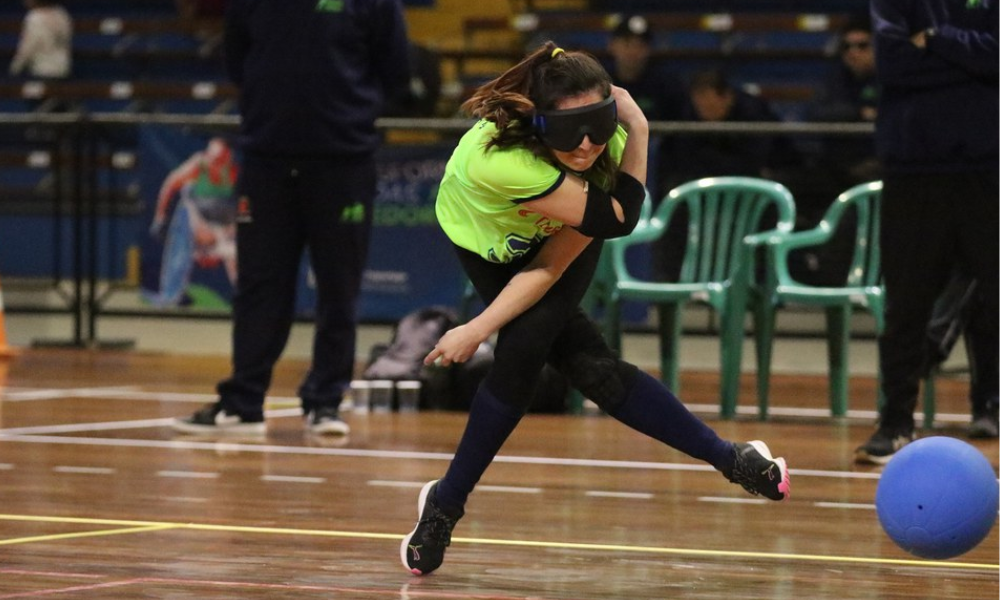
pixel 599 219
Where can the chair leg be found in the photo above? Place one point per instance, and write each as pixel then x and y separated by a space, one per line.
pixel 764 339
pixel 612 325
pixel 670 339
pixel 731 359
pixel 929 399
pixel 837 339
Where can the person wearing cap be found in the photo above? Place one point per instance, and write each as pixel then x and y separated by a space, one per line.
pixel 658 92
pixel 555 164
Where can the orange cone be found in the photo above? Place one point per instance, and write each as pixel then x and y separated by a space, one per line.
pixel 5 350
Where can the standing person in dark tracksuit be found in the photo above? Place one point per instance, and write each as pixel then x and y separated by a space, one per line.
pixel 313 77
pixel 936 136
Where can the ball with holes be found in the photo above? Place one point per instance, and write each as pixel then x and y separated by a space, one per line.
pixel 938 498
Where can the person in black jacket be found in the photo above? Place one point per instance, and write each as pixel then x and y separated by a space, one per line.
pixel 313 77
pixel 688 156
pixel 936 135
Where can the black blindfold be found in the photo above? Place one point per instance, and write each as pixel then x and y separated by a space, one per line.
pixel 564 130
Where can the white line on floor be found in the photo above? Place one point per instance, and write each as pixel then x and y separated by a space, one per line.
pixel 86 470
pixel 632 495
pixel 187 474
pixel 508 489
pixel 844 505
pixel 182 444
pixel 292 479
pixel 725 500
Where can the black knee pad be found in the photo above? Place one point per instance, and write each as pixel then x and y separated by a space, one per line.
pixel 605 380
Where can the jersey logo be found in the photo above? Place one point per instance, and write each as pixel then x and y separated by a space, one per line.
pixel 332 6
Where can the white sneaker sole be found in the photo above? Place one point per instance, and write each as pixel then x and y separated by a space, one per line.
pixel 330 428
pixel 785 485
pixel 184 426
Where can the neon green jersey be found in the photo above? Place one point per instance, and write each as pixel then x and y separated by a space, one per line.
pixel 479 200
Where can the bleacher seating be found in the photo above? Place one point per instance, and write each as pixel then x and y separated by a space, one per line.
pixel 784 54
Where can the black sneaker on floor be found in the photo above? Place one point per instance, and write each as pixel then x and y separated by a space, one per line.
pixel 759 473
pixel 422 551
pixel 882 445
pixel 984 427
pixel 213 418
pixel 326 421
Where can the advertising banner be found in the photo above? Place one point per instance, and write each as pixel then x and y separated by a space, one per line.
pixel 188 249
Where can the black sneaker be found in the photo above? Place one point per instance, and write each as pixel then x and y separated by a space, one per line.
pixel 984 426
pixel 422 551
pixel 759 473
pixel 326 421
pixel 213 418
pixel 882 445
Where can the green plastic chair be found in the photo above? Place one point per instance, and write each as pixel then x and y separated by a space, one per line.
pixel 726 220
pixel 862 289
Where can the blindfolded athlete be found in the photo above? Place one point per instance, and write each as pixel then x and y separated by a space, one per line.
pixel 555 165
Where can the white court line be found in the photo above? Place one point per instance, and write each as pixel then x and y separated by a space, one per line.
pixel 508 489
pixel 119 425
pixel 6 466
pixel 819 413
pixel 631 495
pixel 844 505
pixel 394 454
pixel 55 393
pixel 87 470
pixel 292 479
pixel 187 474
pixel 116 392
pixel 724 500
pixel 399 484
pixel 136 393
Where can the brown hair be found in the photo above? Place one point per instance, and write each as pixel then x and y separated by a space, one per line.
pixel 537 83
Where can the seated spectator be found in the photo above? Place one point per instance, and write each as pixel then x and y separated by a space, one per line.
pixel 851 95
pixel 685 157
pixel 658 92
pixel 692 156
pixel 424 93
pixel 44 50
pixel 839 162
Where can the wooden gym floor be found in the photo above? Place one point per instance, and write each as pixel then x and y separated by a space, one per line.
pixel 100 500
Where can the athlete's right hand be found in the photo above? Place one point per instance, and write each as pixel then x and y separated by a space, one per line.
pixel 455 346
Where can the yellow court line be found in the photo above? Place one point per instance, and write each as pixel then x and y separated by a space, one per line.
pixel 83 534
pixel 153 525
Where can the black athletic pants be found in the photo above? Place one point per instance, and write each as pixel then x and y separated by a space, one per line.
pixel 324 204
pixel 552 330
pixel 931 224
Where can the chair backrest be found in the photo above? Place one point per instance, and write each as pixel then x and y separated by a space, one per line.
pixel 865 200
pixel 722 211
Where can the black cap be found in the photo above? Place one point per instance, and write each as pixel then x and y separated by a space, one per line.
pixel 633 26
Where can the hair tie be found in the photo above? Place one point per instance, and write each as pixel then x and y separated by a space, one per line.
pixel 557 52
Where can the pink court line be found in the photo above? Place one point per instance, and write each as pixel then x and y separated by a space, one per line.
pixel 409 591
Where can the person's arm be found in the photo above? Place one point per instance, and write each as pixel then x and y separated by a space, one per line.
pixel 972 51
pixel 568 202
pixel 173 182
pixel 391 50
pixel 524 289
pixel 31 37
pixel 898 60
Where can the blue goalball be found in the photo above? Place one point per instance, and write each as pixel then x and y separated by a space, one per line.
pixel 937 498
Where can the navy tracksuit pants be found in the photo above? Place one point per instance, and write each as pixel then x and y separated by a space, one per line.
pixel 287 205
